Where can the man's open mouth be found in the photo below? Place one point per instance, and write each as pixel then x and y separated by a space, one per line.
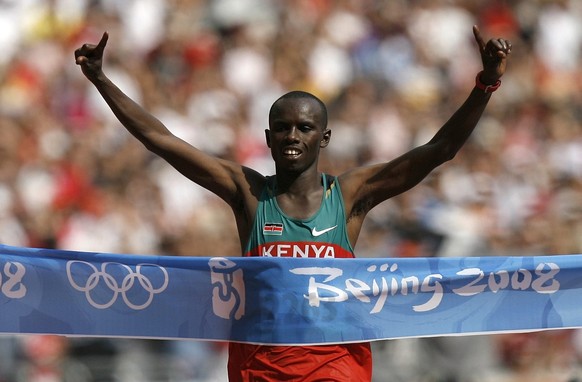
pixel 289 152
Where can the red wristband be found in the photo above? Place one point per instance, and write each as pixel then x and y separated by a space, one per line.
pixel 486 88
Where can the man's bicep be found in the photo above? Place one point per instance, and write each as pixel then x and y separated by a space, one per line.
pixel 212 173
pixel 371 185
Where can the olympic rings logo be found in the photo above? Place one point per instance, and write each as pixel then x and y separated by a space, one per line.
pixel 127 283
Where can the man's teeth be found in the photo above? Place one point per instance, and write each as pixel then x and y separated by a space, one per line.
pixel 291 152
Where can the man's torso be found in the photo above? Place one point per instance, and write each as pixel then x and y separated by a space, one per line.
pixel 323 235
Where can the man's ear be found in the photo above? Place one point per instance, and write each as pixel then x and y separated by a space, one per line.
pixel 326 138
pixel 268 137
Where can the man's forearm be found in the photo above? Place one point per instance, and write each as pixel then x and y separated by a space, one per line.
pixel 459 127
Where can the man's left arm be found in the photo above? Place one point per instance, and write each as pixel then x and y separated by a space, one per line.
pixel 366 187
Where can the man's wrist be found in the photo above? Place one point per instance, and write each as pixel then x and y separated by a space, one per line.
pixel 487 85
pixel 99 78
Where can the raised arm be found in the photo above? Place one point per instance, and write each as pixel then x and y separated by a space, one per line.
pixel 221 177
pixel 365 187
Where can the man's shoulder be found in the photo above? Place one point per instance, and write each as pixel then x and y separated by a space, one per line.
pixel 251 179
pixel 250 185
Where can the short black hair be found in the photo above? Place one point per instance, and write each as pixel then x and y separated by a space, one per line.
pixel 296 94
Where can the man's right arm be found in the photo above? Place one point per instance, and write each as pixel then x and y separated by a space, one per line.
pixel 218 176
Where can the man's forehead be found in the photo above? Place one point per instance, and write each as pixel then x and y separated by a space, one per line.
pixel 303 105
pixel 299 106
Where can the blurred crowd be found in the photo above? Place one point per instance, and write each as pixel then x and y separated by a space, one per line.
pixel 391 73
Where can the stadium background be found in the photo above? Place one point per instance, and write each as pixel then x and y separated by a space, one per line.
pixel 391 73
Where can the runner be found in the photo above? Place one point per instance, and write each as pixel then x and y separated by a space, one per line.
pixel 299 209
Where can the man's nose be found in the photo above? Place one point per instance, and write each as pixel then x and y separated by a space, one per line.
pixel 292 134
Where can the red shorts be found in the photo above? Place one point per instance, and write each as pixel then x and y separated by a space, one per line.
pixel 330 363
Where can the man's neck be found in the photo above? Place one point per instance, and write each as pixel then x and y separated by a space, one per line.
pixel 298 184
pixel 299 197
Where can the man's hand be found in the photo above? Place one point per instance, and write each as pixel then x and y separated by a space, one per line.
pixel 494 56
pixel 90 58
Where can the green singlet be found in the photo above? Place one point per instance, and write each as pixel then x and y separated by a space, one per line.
pixel 323 235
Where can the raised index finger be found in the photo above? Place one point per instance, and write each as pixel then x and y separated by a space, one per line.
pixel 101 46
pixel 478 37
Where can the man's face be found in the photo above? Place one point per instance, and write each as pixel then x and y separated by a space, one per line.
pixel 296 133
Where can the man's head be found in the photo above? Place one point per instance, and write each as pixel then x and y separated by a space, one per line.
pixel 297 130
